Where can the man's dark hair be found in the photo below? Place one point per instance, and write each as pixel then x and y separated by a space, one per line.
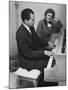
pixel 25 14
pixel 50 11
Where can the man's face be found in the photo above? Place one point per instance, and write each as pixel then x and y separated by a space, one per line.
pixel 31 21
pixel 49 17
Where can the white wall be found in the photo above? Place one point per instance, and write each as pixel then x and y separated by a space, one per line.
pixel 12 29
pixel 39 9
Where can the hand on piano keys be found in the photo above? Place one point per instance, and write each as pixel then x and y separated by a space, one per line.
pixel 52 61
pixel 48 53
pixel 51 45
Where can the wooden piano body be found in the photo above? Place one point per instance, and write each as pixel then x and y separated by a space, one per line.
pixel 58 72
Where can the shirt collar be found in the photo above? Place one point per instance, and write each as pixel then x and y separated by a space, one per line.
pixel 27 27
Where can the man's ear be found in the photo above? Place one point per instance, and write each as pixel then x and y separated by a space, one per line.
pixel 26 21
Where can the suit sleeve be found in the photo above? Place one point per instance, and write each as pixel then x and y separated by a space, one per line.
pixel 27 51
pixel 39 29
pixel 43 41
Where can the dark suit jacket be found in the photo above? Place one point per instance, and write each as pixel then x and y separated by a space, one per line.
pixel 31 54
pixel 43 30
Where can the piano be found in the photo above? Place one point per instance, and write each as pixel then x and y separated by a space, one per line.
pixel 57 73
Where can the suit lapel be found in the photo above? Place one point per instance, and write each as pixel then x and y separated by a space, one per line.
pixel 28 35
pixel 31 38
pixel 34 37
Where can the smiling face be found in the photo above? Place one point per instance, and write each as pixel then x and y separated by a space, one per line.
pixel 49 17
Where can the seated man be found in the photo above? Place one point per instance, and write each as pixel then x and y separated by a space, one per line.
pixel 31 55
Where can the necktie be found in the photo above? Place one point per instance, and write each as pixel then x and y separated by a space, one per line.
pixel 32 31
pixel 34 36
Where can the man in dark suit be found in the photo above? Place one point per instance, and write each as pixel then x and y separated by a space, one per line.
pixel 31 53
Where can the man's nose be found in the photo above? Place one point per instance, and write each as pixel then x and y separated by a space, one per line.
pixel 50 18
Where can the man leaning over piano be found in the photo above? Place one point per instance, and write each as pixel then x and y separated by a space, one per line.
pixel 31 49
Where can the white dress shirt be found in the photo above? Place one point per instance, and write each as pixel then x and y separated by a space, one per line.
pixel 27 27
pixel 49 25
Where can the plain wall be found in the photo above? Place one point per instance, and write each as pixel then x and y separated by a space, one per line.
pixel 39 9
pixel 12 29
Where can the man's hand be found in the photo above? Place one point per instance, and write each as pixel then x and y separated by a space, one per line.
pixel 52 46
pixel 48 53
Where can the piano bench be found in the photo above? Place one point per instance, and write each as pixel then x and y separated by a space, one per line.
pixel 27 79
pixel 24 82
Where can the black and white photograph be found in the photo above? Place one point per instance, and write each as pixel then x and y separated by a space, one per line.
pixel 37 44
